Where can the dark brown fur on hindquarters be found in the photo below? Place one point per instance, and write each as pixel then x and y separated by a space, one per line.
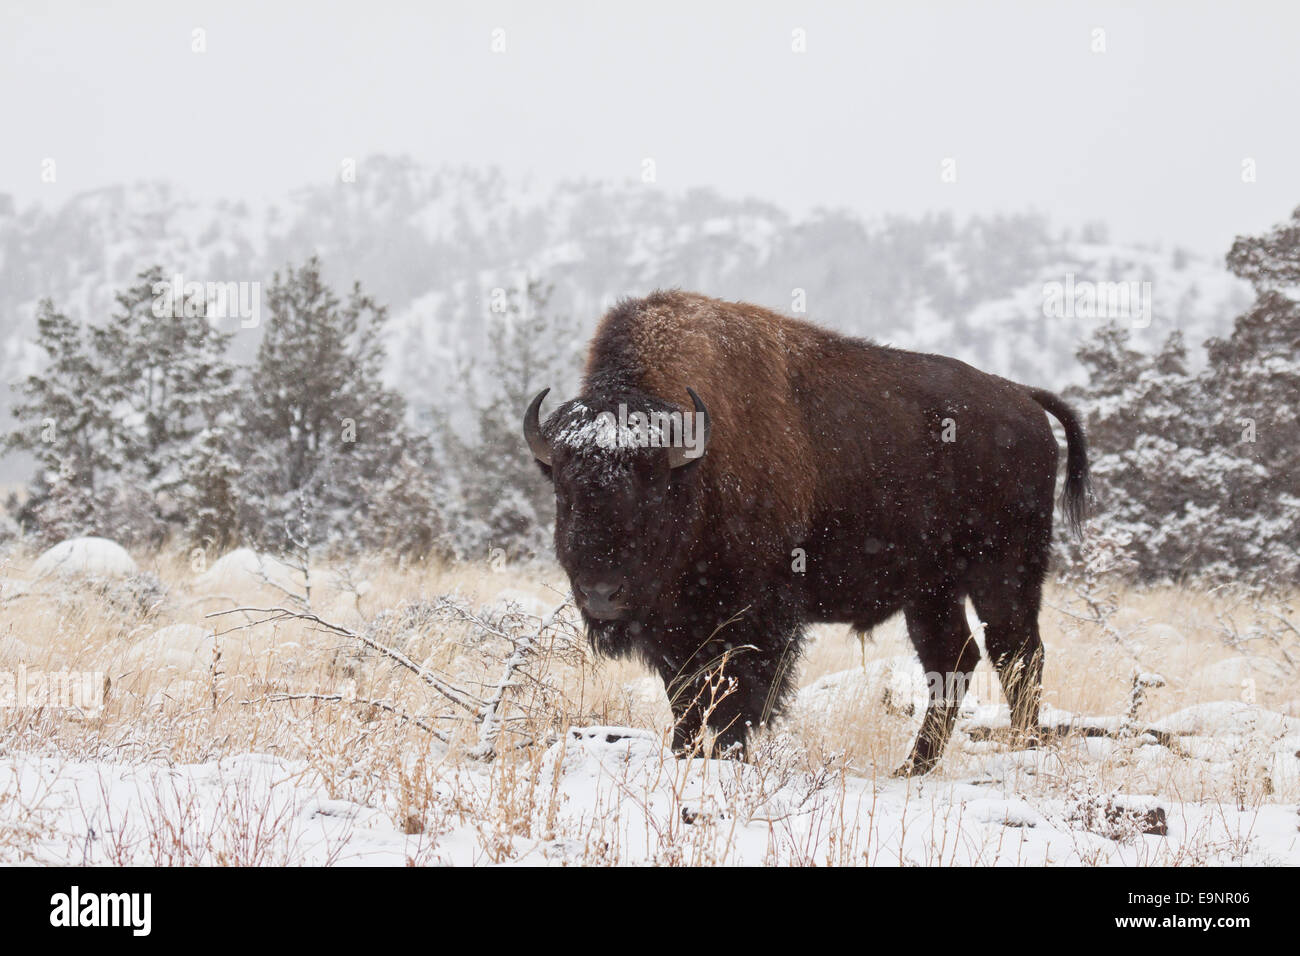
pixel 842 481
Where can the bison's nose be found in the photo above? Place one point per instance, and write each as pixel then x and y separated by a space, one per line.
pixel 598 597
pixel 600 590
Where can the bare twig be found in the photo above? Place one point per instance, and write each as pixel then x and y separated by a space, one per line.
pixel 490 727
pixel 489 714
pixel 455 695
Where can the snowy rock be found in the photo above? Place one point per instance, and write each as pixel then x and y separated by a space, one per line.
pixel 244 568
pixel 1227 717
pixel 897 683
pixel 93 557
pixel 184 647
pixel 1162 644
pixel 1234 671
pixel 1120 817
pixel 595 752
pixel 13 588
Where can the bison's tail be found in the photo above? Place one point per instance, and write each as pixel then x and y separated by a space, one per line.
pixel 1077 487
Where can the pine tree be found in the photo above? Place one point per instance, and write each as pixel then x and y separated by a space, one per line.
pixel 61 506
pixel 1144 419
pixel 208 492
pixel 113 416
pixel 1198 471
pixel 63 424
pixel 319 425
pixel 166 378
pixel 1270 262
pixel 1255 375
pixel 59 424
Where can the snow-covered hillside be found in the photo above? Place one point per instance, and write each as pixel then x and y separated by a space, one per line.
pixel 433 243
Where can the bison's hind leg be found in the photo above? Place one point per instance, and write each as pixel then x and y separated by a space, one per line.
pixel 937 627
pixel 1007 598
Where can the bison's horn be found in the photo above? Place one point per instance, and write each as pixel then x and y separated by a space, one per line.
pixel 677 456
pixel 533 430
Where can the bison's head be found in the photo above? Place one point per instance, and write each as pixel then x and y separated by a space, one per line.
pixel 622 471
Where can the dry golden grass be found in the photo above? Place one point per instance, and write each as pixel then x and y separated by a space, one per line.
pixel 177 706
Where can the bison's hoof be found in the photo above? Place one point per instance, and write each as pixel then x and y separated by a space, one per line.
pixel 910 769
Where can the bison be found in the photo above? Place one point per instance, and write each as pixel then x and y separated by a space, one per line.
pixel 813 477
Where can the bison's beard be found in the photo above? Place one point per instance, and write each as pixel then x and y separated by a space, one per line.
pixel 614 637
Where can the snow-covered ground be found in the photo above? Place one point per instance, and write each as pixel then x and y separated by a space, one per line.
pixel 615 795
pixel 138 728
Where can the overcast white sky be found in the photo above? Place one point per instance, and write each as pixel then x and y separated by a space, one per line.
pixel 1149 136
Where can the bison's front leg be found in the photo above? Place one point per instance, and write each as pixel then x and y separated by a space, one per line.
pixel 730 689
pixel 719 700
pixel 949 654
